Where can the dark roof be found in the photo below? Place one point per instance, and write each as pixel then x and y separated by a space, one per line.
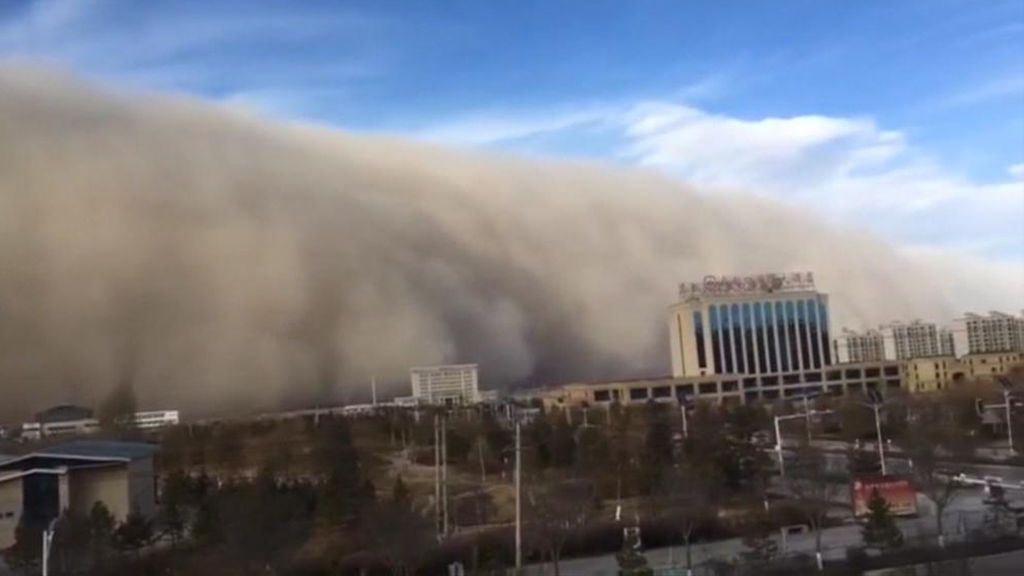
pixel 64 413
pixel 101 449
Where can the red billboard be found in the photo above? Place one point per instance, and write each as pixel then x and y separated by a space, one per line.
pixel 898 491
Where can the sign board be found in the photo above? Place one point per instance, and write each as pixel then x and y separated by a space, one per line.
pixel 898 491
pixel 762 283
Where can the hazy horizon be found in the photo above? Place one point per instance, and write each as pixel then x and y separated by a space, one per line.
pixel 225 261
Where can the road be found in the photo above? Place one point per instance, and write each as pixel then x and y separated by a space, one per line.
pixel 964 513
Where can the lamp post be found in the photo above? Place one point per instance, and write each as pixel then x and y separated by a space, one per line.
pixel 1007 405
pixel 875 405
pixel 47 546
pixel 806 415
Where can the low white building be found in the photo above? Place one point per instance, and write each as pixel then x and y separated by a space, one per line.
pixel 451 384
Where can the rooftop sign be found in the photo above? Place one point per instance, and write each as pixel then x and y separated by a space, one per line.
pixel 761 283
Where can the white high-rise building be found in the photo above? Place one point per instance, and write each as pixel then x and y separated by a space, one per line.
pixel 766 324
pixel 452 384
pixel 947 344
pixel 867 346
pixel 916 339
pixel 996 332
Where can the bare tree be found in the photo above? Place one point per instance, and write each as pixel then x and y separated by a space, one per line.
pixel 555 512
pixel 812 491
pixel 932 435
pixel 685 497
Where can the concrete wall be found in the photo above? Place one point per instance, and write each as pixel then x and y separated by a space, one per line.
pixel 108 484
pixel 10 511
pixel 142 487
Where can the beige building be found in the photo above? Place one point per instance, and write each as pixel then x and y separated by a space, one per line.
pixel 36 488
pixel 730 388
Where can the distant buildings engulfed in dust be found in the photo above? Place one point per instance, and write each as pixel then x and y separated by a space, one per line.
pixel 68 420
pixel 446 385
pixel 766 337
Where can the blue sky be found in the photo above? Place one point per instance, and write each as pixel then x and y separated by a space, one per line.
pixel 905 118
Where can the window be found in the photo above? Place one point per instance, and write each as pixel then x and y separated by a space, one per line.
pixel 638 393
pixel 792 336
pixel 762 360
pixel 780 327
pixel 791 379
pixel 892 370
pixel 814 333
pixel 801 321
pixel 871 373
pixel 727 350
pixel 769 394
pixel 750 382
pixel 853 373
pixel 748 338
pixel 833 375
pixel 730 386
pixel 708 388
pixel 770 381
pixel 684 390
pixel 750 396
pixel 602 396
pixel 661 391
pixel 698 335
pixel 716 345
pixel 823 327
pixel 812 377
pixel 853 387
pixel 737 338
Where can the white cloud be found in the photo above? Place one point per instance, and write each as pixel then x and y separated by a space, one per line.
pixel 1017 170
pixel 850 170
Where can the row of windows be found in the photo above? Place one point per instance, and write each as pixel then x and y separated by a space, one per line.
pixel 765 337
pixel 683 391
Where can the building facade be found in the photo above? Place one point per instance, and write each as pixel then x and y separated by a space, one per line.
pixel 766 324
pixel 726 389
pixel 868 346
pixel 996 332
pixel 916 339
pixel 37 488
pixel 452 384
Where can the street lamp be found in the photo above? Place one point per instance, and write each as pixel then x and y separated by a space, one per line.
pixel 684 405
pixel 806 415
pixel 1007 405
pixel 875 404
pixel 47 545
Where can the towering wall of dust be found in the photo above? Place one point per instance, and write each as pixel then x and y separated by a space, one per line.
pixel 218 260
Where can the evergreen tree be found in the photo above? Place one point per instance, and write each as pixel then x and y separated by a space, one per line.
pixel 400 493
pixel 135 533
pixel 880 530
pixel 172 504
pixel 101 533
pixel 631 561
pixel 26 550
pixel 207 528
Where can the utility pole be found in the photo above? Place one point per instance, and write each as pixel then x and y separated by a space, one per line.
pixel 1007 401
pixel 437 474
pixel 682 410
pixel 519 499
pixel 47 545
pixel 876 406
pixel 373 389
pixel 878 432
pixel 807 415
pixel 444 476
